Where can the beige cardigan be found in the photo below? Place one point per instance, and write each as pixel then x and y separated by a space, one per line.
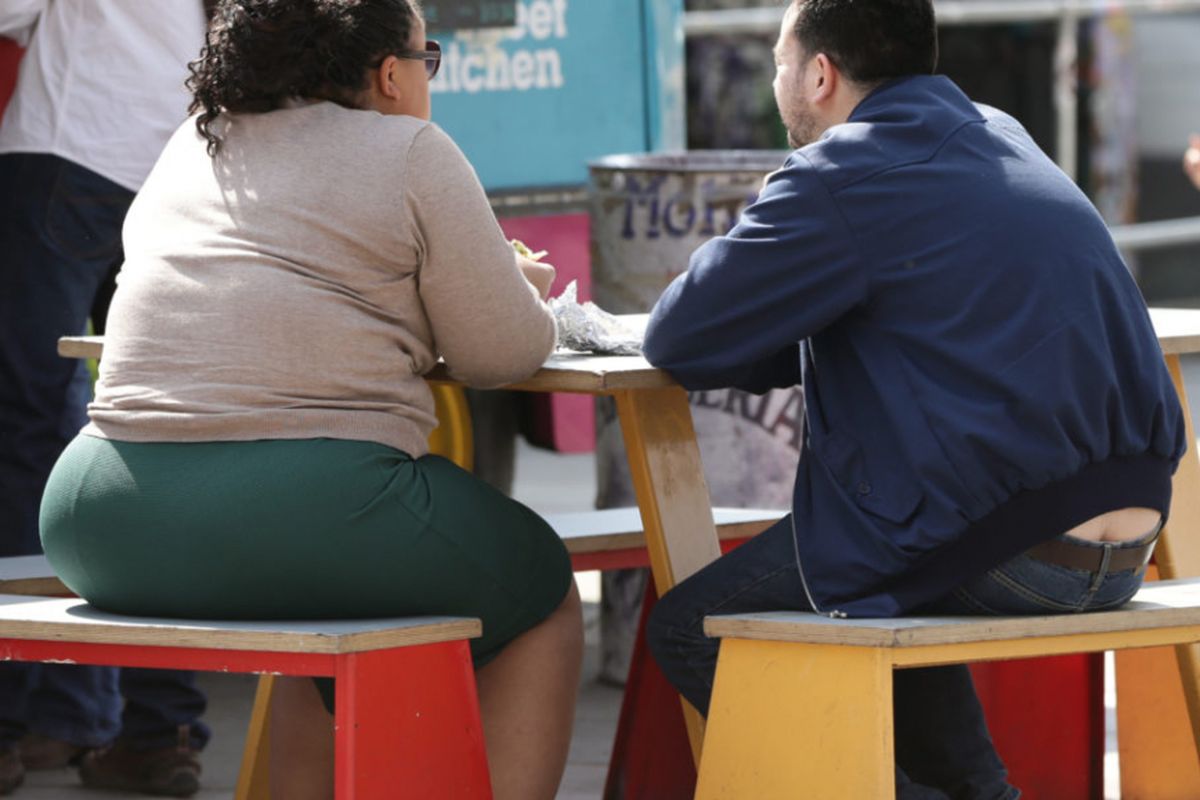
pixel 299 284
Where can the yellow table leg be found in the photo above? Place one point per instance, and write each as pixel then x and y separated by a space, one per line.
pixel 253 778
pixel 791 721
pixel 672 494
pixel 1158 748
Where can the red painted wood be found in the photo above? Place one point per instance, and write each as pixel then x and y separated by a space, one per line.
pixel 203 659
pixel 10 57
pixel 651 758
pixel 1046 716
pixel 626 558
pixel 407 725
pixel 610 559
pixel 565 421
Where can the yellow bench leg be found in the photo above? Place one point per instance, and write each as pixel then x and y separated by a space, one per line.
pixel 791 721
pixel 1158 692
pixel 254 777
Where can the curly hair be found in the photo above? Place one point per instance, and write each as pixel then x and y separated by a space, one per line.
pixel 871 41
pixel 260 53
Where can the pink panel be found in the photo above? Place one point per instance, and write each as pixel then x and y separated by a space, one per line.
pixel 565 237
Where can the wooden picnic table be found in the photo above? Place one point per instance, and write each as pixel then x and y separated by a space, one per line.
pixel 673 498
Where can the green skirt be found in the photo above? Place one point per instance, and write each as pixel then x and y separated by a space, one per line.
pixel 296 529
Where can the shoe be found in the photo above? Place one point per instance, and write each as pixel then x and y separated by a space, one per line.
pixel 162 772
pixel 12 771
pixel 41 752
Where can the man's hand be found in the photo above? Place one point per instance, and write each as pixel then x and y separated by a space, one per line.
pixel 540 274
pixel 1191 159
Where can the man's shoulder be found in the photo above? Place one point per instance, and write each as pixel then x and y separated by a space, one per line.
pixel 902 122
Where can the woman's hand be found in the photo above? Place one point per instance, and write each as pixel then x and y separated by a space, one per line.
pixel 539 274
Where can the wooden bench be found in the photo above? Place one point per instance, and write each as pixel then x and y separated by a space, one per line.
pixel 407 713
pixel 803 703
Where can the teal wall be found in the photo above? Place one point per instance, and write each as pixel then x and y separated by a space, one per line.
pixel 530 105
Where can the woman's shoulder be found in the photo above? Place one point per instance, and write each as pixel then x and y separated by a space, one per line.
pixel 324 120
pixel 352 121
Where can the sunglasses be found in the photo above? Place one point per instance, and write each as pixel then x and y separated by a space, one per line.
pixel 431 55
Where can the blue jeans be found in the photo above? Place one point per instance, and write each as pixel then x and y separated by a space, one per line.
pixel 943 748
pixel 60 245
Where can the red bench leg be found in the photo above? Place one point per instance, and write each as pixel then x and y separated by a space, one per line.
pixel 407 725
pixel 651 757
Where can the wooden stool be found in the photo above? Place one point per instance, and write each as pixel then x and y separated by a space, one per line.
pixel 407 713
pixel 802 704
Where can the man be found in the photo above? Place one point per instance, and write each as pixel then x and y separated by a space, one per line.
pixel 990 425
pixel 99 92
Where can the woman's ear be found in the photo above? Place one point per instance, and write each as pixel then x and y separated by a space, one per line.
pixel 384 93
pixel 385 78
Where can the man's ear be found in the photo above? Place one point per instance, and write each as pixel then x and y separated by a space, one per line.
pixel 825 78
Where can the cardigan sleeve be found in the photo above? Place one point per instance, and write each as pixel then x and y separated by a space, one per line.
pixel 488 322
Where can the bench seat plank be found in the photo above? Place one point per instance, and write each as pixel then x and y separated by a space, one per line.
pixel 71 619
pixel 603 530
pixel 30 575
pixel 1159 605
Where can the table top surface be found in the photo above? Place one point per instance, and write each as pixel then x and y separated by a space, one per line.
pixel 1178 329
pixel 566 371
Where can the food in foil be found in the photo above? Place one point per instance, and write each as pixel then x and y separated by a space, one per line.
pixel 588 328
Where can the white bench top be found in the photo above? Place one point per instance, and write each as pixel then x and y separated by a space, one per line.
pixel 1160 604
pixel 52 619
pixel 621 528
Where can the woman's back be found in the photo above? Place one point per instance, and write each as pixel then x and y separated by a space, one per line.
pixel 297 284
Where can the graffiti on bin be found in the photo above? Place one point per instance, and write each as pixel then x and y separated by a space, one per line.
pixel 778 413
pixel 656 205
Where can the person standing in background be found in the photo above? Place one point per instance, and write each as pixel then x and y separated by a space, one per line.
pixel 100 90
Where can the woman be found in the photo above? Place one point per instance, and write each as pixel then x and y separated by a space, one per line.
pixel 305 249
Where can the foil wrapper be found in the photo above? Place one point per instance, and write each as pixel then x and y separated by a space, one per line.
pixel 590 329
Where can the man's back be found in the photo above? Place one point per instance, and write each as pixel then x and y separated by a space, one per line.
pixel 972 333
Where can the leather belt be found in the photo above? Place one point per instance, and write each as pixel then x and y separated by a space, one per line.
pixel 1091 558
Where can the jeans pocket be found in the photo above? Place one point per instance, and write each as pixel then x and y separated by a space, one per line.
pixel 1024 585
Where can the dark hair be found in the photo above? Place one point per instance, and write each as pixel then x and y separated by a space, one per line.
pixel 870 41
pixel 260 53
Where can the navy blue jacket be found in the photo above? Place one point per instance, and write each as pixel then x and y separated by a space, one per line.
pixel 979 367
